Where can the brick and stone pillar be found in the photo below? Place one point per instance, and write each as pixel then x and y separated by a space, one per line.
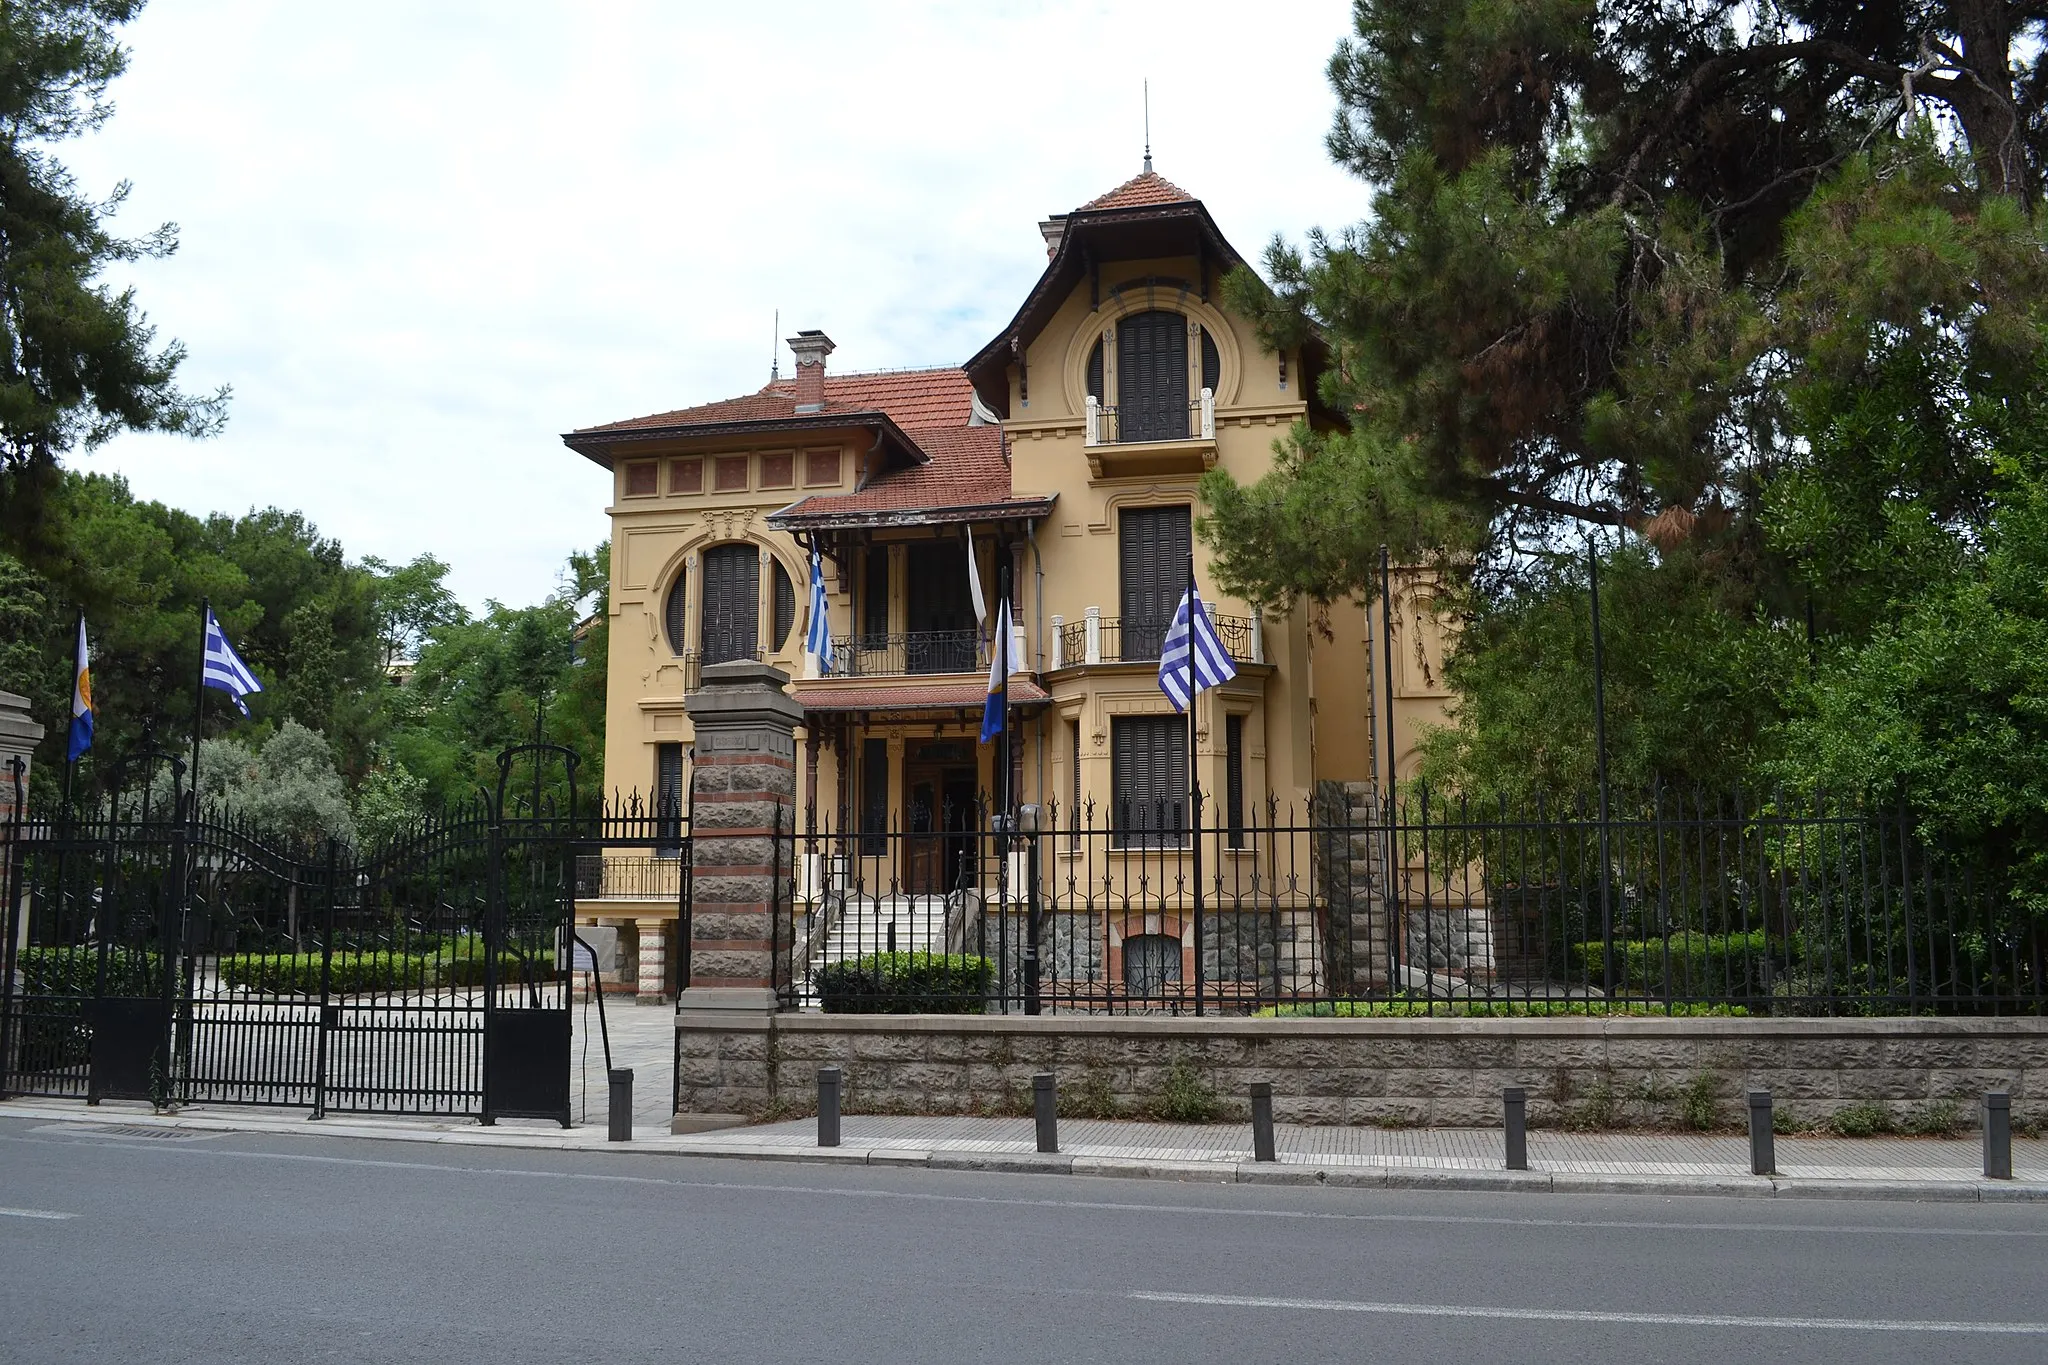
pixel 743 786
pixel 19 734
pixel 653 974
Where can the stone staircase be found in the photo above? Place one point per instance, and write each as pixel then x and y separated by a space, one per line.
pixel 855 926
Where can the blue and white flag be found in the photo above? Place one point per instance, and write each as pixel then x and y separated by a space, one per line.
pixel 224 668
pixel 818 638
pixel 1004 658
pixel 81 702
pixel 1211 664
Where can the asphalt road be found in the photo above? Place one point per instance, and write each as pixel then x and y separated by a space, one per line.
pixel 285 1249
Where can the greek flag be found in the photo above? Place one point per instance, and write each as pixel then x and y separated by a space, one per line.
pixel 1212 666
pixel 224 668
pixel 818 638
pixel 1004 659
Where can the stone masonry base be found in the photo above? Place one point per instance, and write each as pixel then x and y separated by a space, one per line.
pixel 1445 1072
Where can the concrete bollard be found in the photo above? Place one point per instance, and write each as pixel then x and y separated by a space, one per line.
pixel 1514 1102
pixel 828 1106
pixel 1262 1122
pixel 1997 1135
pixel 1045 1107
pixel 1763 1147
pixel 619 1122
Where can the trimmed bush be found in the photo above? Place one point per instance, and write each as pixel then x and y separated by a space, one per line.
pixel 1711 966
pixel 906 983
pixel 76 971
pixel 354 973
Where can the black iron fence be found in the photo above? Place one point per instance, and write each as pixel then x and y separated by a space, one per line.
pixel 150 953
pixel 1425 905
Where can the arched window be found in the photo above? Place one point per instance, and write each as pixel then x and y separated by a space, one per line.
pixel 1151 964
pixel 676 612
pixel 785 608
pixel 732 603
pixel 1212 363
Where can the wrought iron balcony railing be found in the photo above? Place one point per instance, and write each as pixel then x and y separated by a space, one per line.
pixel 1133 422
pixel 1098 639
pixel 639 877
pixel 914 652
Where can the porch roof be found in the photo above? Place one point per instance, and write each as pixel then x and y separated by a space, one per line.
pixel 953 694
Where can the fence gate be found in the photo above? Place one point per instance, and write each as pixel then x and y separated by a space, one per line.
pixel 152 956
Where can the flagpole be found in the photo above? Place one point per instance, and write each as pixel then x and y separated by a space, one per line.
pixel 70 759
pixel 199 707
pixel 1194 785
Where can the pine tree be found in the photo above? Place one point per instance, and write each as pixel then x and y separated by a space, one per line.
pixel 79 362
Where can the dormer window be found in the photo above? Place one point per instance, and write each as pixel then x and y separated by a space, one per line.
pixel 1152 400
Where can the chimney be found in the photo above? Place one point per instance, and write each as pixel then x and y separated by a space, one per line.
pixel 810 349
pixel 1053 229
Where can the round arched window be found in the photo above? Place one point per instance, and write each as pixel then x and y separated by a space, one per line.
pixel 676 611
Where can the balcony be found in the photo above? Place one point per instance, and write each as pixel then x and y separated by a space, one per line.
pixel 1151 438
pixel 629 878
pixel 910 654
pixel 714 652
pixel 1099 639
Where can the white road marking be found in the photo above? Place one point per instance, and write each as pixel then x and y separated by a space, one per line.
pixel 51 1214
pixel 1445 1310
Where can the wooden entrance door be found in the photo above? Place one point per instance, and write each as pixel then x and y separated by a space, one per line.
pixel 940 797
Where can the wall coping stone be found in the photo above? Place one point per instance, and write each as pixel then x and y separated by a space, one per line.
pixel 1575 1027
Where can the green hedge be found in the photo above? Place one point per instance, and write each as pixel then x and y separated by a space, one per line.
pixel 76 971
pixel 1491 1009
pixel 352 973
pixel 906 983
pixel 1724 966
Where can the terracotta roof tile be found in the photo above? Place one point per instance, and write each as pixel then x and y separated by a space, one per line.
pixel 1149 187
pixel 912 398
pixel 967 469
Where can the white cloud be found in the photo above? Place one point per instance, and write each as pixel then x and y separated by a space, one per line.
pixel 421 241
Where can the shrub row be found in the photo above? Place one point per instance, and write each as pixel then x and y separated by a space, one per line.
pixel 76 971
pixel 1493 1009
pixel 359 973
pixel 906 983
pixel 1723 965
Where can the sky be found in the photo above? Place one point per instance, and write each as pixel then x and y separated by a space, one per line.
pixel 420 241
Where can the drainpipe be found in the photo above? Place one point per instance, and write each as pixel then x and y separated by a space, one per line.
pixel 1038 634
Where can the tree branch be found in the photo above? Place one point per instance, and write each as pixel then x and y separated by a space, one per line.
pixel 1600 514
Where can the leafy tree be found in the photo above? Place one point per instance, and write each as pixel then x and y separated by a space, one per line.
pixel 1582 283
pixel 286 789
pixel 412 602
pixel 78 360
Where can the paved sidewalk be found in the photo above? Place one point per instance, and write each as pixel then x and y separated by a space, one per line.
pixel 1469 1159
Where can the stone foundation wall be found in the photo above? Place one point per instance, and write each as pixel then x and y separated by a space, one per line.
pixel 1391 1071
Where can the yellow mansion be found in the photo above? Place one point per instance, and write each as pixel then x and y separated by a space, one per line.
pixel 1067 452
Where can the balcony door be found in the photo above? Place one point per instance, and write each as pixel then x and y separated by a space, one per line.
pixel 732 603
pixel 1152 377
pixel 939 613
pixel 1152 551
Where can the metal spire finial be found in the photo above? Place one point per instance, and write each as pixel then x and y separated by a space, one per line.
pixel 1148 124
pixel 775 350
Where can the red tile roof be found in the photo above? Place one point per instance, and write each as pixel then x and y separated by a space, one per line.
pixel 1147 188
pixel 829 696
pixel 912 398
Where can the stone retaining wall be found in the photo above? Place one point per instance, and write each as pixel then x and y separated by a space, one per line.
pixel 1387 1071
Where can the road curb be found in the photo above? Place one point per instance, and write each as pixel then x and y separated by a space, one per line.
pixel 651 1143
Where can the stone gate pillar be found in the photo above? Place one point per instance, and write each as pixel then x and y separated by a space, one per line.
pixel 19 734
pixel 742 789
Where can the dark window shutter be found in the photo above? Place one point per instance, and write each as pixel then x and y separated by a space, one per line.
pixel 785 606
pixel 1233 777
pixel 1095 372
pixel 1149 779
pixel 1212 363
pixel 732 603
pixel 874 797
pixel 1152 377
pixel 874 598
pixel 1152 549
pixel 676 612
pixel 668 796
